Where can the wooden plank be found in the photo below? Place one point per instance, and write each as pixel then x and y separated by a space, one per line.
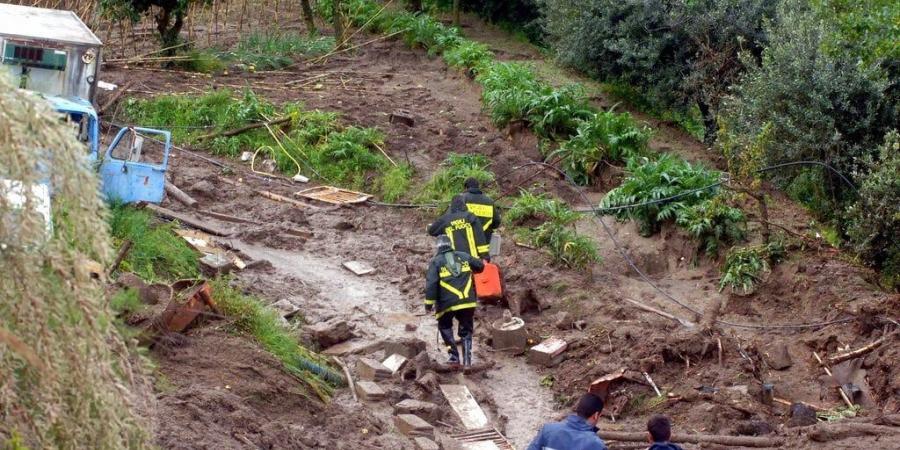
pixel 185 219
pixel 465 406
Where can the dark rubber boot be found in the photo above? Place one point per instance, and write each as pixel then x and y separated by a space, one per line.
pixel 452 350
pixel 467 351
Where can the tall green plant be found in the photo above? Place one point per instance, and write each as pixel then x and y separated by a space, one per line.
pixel 448 180
pixel 606 136
pixel 713 223
pixel 650 182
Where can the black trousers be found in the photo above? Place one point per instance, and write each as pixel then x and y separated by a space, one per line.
pixel 466 324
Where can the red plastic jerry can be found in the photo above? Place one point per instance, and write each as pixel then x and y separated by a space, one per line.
pixel 488 285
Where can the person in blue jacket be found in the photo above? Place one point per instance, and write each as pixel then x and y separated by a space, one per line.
pixel 577 432
pixel 659 429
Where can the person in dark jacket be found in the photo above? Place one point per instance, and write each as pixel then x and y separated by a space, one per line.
pixel 450 291
pixel 577 432
pixel 481 206
pixel 463 228
pixel 659 429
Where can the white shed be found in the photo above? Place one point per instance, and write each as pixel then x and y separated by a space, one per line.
pixel 49 51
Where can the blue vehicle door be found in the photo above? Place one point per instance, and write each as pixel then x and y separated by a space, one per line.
pixel 134 166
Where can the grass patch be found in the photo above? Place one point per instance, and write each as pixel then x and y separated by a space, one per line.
pixel 125 301
pixel 264 325
pixel 157 254
pixel 448 180
pixel 395 182
pixel 314 143
pixel 277 50
pixel 203 61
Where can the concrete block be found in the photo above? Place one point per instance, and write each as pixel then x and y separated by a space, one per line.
pixel 395 363
pixel 426 410
pixel 464 405
pixel 423 443
pixel 413 426
pixel 407 347
pixel 369 391
pixel 548 353
pixel 372 370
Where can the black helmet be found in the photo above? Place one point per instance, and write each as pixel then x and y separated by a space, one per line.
pixel 443 244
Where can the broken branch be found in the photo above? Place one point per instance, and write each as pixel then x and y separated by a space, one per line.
pixel 180 195
pixel 840 388
pixel 120 256
pixel 349 377
pixel 736 441
pixel 836 359
pixel 187 220
pixel 648 308
pixel 244 129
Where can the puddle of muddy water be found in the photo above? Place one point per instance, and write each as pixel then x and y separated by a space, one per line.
pixel 380 310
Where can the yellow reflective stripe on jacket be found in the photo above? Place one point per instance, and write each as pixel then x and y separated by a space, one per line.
pixel 453 290
pixel 484 212
pixel 456 308
pixel 484 249
pixel 429 302
pixel 470 235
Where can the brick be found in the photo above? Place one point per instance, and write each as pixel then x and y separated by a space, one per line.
pixel 425 410
pixel 372 370
pixel 548 353
pixel 423 443
pixel 369 391
pixel 395 363
pixel 413 426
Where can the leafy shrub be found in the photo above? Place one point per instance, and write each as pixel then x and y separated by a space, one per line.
pixel 157 253
pixel 605 136
pixel 469 55
pixel 874 220
pixel 203 62
pixel 347 156
pixel 556 113
pixel 565 245
pixel 448 180
pixel 677 54
pixel 745 266
pixel 821 105
pixel 651 180
pixel 541 207
pixel 713 223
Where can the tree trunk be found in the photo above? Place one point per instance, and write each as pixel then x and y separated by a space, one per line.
pixel 168 36
pixel 414 6
pixel 709 123
pixel 308 18
pixel 456 12
pixel 338 24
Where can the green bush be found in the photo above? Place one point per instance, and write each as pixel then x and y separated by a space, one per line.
pixel 125 301
pixel 821 104
pixel 745 266
pixel 448 180
pixel 348 156
pixel 606 136
pixel 713 223
pixel 874 220
pixel 555 232
pixel 157 253
pixel 395 182
pixel 650 180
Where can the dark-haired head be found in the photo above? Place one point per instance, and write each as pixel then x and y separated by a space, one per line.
pixel 471 183
pixel 589 407
pixel 660 428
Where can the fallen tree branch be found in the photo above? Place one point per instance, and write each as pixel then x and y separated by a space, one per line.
pixel 349 377
pixel 837 359
pixel 244 129
pixel 736 441
pixel 176 193
pixel 841 430
pixel 120 256
pixel 683 322
pixel 840 388
pixel 185 219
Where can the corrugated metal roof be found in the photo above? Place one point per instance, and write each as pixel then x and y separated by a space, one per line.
pixel 41 23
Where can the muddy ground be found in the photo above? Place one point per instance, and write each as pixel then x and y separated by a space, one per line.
pixel 222 391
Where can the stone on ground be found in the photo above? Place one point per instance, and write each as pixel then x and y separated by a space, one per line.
pixel 425 410
pixel 372 370
pixel 330 332
pixel 369 391
pixel 411 425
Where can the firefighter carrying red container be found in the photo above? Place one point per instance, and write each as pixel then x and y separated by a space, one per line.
pixel 452 286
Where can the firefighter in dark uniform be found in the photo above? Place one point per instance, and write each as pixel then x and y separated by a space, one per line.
pixel 463 228
pixel 450 292
pixel 481 206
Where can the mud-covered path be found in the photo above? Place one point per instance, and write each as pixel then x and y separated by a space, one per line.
pixel 379 310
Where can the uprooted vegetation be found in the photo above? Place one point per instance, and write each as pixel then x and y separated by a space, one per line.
pixel 258 51
pixel 299 141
